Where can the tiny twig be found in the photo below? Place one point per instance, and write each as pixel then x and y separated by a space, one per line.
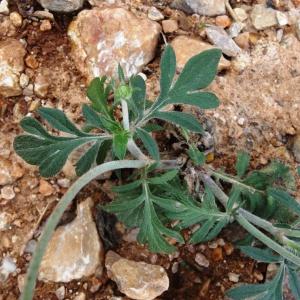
pixel 232 12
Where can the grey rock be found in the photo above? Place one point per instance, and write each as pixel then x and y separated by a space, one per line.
pixel 235 29
pixel 7 267
pixel 154 14
pixel 219 37
pixel 263 17
pixel 201 7
pixel 61 5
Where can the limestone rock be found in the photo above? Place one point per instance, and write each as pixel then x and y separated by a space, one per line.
pixel 219 37
pixel 263 17
pixel 61 5
pixel 74 250
pixel 186 47
pixel 137 280
pixel 12 54
pixel 103 38
pixel 201 7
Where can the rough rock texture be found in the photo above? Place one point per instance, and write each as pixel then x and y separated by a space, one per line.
pixel 12 54
pixel 263 17
pixel 137 280
pixel 219 37
pixel 74 250
pixel 103 38
pixel 201 7
pixel 186 47
pixel 61 5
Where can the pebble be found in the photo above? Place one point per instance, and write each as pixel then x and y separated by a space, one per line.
pixel 4 7
pixel 60 293
pixel 45 25
pixel 24 80
pixel 61 5
pixel 223 21
pixel 74 250
pixel 217 254
pixel 282 18
pixel 64 182
pixel 31 62
pixel 16 19
pixel 30 246
pixel 219 37
pixel 263 17
pixel 241 14
pixel 201 260
pixel 45 188
pixel 80 296
pixel 21 282
pixel 7 267
pixel 137 280
pixel 169 26
pixel 243 40
pixel 228 247
pixel 154 14
pixel 235 29
pixel 8 193
pixel 41 85
pixel 233 277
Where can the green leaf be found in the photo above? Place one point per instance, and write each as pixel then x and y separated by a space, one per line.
pixel 105 146
pixel 120 141
pixel 203 100
pixel 198 72
pixel 58 120
pixel 294 282
pixel 98 93
pixel 285 199
pixel 121 74
pixel 196 155
pixel 87 160
pixel 161 179
pixel 269 291
pixel 138 97
pixel 168 69
pixel 242 163
pixel 261 255
pixel 92 118
pixel 149 143
pixel 127 187
pixel 187 121
pixel 234 198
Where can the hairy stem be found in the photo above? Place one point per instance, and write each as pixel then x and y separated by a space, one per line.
pixel 54 218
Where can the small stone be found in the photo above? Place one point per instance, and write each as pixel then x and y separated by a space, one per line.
pixel 187 47
pixel 233 277
pixel 24 80
pixel 219 37
pixel 201 260
pixel 235 29
pixel 80 296
pixel 241 121
pixel 154 14
pixel 43 14
pixel 175 267
pixel 296 148
pixel 137 280
pixel 64 182
pixel 202 7
pixel 223 21
pixel 282 18
pixel 16 19
pixel 34 105
pixel 28 90
pixel 169 26
pixel 74 250
pixel 243 40
pixel 217 254
pixel 41 86
pixel 60 293
pixel 4 7
pixel 21 282
pixel 279 35
pixel 45 25
pixel 7 267
pixel 61 5
pixel 263 17
pixel 228 247
pixel 104 38
pixel 8 193
pixel 45 188
pixel 30 246
pixel 31 62
pixel 12 53
pixel 241 14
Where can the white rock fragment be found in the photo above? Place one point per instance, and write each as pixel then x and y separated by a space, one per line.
pixel 282 18
pixel 233 277
pixel 241 14
pixel 74 250
pixel 7 267
pixel 60 293
pixel 4 7
pixel 154 14
pixel 219 37
pixel 263 17
pixel 7 193
pixel 61 5
pixel 235 29
pixel 201 260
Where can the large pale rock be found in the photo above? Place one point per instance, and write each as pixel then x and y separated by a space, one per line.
pixel 219 37
pixel 137 280
pixel 186 47
pixel 61 5
pixel 74 250
pixel 103 38
pixel 263 17
pixel 12 54
pixel 201 7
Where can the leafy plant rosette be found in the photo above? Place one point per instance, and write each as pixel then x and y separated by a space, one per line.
pixel 155 198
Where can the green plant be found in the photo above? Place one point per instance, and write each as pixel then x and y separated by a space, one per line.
pixel 156 198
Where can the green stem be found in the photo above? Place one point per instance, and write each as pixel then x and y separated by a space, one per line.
pixel 53 220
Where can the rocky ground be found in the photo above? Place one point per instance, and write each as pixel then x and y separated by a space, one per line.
pixel 49 50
